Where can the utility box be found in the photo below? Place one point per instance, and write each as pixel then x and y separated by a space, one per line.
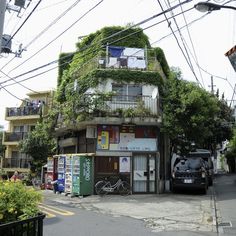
pixel 20 3
pixel 82 173
pixel 6 43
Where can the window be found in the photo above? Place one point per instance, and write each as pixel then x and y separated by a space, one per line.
pixel 127 92
pixel 18 129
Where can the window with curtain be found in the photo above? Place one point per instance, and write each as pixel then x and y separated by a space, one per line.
pixel 127 92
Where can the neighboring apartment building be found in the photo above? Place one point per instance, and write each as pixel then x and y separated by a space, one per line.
pixel 22 120
pixel 123 129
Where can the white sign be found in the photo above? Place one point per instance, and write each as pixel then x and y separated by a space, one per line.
pixel 124 164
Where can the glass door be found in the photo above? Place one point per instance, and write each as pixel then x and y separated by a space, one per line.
pixel 144 173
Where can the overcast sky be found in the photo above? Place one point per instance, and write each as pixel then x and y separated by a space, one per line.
pixel 44 35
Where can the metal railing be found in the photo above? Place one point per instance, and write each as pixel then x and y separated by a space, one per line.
pixel 30 227
pixel 23 111
pixel 151 64
pixel 139 106
pixel 16 162
pixel 14 136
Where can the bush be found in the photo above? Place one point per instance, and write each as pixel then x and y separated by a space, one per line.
pixel 17 202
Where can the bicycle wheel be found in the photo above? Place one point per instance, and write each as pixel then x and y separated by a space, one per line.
pixel 99 187
pixel 124 188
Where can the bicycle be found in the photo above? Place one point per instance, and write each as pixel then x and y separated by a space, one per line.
pixel 104 187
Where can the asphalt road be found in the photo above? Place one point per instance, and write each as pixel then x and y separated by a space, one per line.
pixel 145 214
pixel 89 223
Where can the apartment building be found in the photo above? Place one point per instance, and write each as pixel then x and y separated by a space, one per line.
pixel 123 128
pixel 22 120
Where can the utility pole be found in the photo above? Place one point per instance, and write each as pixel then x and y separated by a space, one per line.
pixel 3 4
pixel 212 85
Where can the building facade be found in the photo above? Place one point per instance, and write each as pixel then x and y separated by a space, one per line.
pixel 22 120
pixel 122 121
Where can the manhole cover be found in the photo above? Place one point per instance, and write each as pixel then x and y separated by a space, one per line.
pixel 225 224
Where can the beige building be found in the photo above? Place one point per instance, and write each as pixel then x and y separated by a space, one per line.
pixel 22 120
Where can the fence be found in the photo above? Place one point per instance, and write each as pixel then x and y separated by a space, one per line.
pixel 29 227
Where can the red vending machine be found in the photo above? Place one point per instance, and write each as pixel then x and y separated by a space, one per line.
pixel 52 164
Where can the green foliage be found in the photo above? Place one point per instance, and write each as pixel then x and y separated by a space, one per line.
pixel 231 152
pixel 87 75
pixel 39 144
pixel 17 202
pixel 189 112
pixel 64 63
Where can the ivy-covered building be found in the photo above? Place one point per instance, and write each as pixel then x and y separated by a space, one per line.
pixel 109 103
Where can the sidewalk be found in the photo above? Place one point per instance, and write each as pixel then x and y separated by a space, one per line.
pixel 160 212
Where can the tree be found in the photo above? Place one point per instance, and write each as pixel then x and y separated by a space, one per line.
pixel 39 144
pixel 191 114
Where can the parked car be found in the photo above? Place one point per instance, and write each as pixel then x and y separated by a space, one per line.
pixel 207 157
pixel 189 173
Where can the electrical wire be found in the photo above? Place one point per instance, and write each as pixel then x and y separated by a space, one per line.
pixel 18 82
pixel 45 30
pixel 188 62
pixel 57 36
pixel 23 22
pixel 191 41
pixel 104 39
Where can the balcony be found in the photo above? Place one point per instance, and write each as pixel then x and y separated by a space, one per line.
pixel 16 113
pixel 17 163
pixel 131 63
pixel 113 109
pixel 14 136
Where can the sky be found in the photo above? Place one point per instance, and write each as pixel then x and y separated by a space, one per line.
pixel 193 41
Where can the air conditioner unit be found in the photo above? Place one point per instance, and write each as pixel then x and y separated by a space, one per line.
pixel 91 132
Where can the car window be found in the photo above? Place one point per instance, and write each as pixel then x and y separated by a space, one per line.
pixel 189 164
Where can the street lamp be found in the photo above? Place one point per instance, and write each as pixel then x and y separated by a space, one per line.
pixel 208 7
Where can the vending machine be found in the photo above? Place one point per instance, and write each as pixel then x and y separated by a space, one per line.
pixel 61 173
pixel 75 174
pixel 82 174
pixel 68 174
pixel 51 172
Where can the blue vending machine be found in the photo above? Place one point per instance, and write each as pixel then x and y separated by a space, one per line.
pixel 61 173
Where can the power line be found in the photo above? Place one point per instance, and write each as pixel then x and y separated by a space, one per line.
pixel 188 62
pixel 115 34
pixel 191 41
pixel 24 22
pixel 18 82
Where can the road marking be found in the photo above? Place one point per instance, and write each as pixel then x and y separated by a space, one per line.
pixel 55 210
pixel 48 214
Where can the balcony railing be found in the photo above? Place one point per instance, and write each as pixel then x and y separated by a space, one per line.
pixel 150 64
pixel 140 106
pixel 95 105
pixel 16 163
pixel 23 111
pixel 14 136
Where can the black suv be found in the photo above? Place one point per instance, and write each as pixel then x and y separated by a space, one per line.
pixel 189 173
pixel 207 157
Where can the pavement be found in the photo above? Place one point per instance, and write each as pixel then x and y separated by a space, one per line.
pixel 160 212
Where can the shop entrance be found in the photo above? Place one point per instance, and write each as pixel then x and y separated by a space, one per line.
pixel 144 173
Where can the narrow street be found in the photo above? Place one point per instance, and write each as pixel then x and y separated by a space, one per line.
pixel 165 214
pixel 180 214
